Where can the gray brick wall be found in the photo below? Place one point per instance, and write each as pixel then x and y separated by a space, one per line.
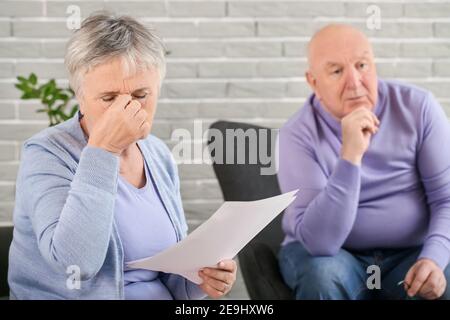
pixel 237 59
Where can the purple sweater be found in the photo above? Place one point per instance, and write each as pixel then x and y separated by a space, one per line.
pixel 399 197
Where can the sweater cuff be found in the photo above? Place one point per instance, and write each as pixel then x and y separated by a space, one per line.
pixel 99 168
pixel 347 174
pixel 435 251
pixel 194 291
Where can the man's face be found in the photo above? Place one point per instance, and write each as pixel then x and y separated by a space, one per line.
pixel 342 71
pixel 105 82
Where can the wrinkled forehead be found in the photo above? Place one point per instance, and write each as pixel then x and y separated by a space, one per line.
pixel 343 58
pixel 120 67
pixel 119 75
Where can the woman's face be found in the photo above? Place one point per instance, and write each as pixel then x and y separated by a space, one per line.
pixel 105 82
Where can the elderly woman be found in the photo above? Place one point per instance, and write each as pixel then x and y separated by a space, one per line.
pixel 98 191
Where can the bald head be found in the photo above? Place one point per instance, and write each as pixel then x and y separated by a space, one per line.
pixel 336 40
pixel 342 71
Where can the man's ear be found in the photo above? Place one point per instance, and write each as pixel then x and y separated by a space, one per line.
pixel 312 82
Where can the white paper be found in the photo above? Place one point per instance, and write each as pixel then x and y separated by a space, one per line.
pixel 221 237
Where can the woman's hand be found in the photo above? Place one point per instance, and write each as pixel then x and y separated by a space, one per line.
pixel 123 123
pixel 218 281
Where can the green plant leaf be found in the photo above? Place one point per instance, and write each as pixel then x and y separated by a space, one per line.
pixel 27 95
pixel 52 84
pixel 63 96
pixel 20 86
pixel 35 93
pixel 33 79
pixel 50 96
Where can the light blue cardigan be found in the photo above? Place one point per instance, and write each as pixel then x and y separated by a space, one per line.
pixel 64 216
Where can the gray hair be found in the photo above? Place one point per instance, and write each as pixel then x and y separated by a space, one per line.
pixel 103 36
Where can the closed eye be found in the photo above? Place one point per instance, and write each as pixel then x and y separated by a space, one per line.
pixel 140 96
pixel 111 98
pixel 108 98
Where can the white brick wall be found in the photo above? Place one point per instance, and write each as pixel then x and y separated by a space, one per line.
pixel 238 59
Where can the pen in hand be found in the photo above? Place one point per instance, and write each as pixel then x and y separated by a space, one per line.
pixel 406 287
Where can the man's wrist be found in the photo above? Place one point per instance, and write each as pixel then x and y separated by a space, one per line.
pixel 352 158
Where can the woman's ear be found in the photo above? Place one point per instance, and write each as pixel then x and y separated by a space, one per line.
pixel 80 108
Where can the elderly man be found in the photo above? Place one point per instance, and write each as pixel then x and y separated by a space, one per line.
pixel 372 161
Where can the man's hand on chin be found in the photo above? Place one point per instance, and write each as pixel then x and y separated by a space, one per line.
pixel 357 128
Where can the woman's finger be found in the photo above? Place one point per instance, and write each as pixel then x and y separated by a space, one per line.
pixel 210 291
pixel 217 284
pixel 218 274
pixel 229 265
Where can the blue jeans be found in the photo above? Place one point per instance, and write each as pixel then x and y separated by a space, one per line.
pixel 344 276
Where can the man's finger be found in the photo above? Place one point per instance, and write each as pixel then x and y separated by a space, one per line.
pixel 442 285
pixel 365 111
pixel 430 295
pixel 409 277
pixel 430 287
pixel 436 293
pixel 375 119
pixel 362 113
pixel 420 277
pixel 368 125
pixel 370 120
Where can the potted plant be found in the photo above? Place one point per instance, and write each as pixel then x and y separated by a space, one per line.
pixel 56 101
